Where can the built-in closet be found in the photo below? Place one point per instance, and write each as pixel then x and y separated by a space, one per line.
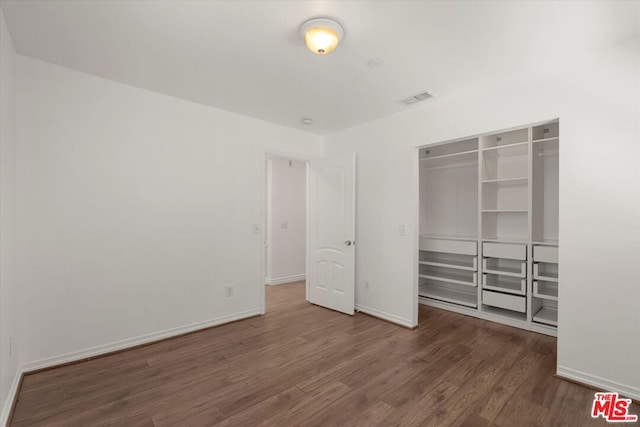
pixel 489 226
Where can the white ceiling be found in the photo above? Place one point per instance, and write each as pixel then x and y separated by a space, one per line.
pixel 248 57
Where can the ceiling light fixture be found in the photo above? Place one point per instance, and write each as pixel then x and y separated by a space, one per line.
pixel 306 122
pixel 321 35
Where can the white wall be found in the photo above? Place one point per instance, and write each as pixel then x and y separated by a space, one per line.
pixel 8 286
pixel 286 201
pixel 135 210
pixel 595 95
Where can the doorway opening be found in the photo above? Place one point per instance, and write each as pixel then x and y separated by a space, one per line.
pixel 286 224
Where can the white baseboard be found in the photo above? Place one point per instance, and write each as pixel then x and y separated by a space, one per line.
pixel 604 384
pixel 11 397
pixel 386 316
pixel 283 280
pixel 132 342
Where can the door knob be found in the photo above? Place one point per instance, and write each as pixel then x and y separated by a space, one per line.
pixel 347 242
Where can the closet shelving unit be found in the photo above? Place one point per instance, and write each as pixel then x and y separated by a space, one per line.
pixel 545 168
pixel 448 258
pixel 489 226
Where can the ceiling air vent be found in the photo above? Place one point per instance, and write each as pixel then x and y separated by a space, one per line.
pixel 416 98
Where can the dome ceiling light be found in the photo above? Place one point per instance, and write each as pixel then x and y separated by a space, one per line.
pixel 321 35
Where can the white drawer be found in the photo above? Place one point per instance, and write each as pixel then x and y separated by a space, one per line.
pixel 506 267
pixel 545 254
pixel 504 283
pixel 504 250
pixel 509 302
pixel 546 290
pixel 449 246
pixel 545 271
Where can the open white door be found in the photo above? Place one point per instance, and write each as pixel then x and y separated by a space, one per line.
pixel 332 232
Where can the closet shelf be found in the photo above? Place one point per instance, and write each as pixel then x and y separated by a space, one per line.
pixel 501 312
pixel 505 211
pixel 449 295
pixel 507 181
pixel 508 149
pixel 463 237
pixel 545 278
pixel 452 277
pixel 450 264
pixel 446 161
pixel 448 156
pixel 547 315
pixel 547 242
pixel 505 239
pixel 555 138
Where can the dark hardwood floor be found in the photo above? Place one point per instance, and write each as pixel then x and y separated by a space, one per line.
pixel 305 365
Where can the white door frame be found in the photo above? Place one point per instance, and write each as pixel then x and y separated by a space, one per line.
pixel 266 154
pixel 416 235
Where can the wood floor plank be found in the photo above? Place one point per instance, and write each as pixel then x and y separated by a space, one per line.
pixel 464 398
pixel 308 407
pixel 419 408
pixel 272 407
pixel 423 382
pixel 372 416
pixel 196 411
pixel 505 389
pixel 301 364
pixel 101 412
pixel 362 356
pixel 519 411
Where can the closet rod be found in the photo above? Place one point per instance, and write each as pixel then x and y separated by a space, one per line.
pixel 456 165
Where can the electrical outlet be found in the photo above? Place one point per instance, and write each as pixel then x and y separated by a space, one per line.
pixel 367 286
pixel 228 291
pixel 11 347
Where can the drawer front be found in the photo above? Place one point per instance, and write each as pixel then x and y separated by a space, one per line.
pixel 545 254
pixel 547 290
pixel 496 270
pixel 509 302
pixel 449 246
pixel 504 250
